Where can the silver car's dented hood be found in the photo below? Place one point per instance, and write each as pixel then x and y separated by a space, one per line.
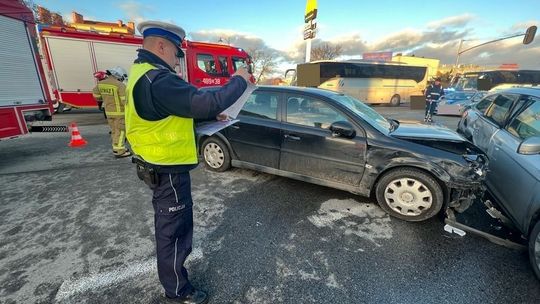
pixel 425 131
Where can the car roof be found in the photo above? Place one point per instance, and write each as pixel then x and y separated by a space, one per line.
pixel 533 91
pixel 286 89
pixel 294 89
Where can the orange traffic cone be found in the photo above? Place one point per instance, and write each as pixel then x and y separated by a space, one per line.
pixel 76 138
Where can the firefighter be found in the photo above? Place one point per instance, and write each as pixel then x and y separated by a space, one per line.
pixel 433 94
pixel 160 110
pixel 99 75
pixel 111 91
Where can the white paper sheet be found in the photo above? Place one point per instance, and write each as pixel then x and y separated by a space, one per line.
pixel 233 110
pixel 211 127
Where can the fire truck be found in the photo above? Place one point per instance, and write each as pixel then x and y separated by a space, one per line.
pixel 24 95
pixel 73 53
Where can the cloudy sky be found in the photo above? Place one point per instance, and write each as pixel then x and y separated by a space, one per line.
pixel 423 28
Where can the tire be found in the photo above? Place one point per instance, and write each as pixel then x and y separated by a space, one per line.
pixel 534 249
pixel 395 100
pixel 216 154
pixel 60 108
pixel 409 194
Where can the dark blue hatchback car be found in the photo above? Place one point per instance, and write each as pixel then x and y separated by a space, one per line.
pixel 327 138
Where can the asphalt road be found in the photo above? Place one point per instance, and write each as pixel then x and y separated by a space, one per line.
pixel 76 226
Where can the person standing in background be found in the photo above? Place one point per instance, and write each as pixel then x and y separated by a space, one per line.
pixel 111 91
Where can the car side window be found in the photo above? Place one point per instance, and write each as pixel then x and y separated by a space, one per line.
pixel 262 105
pixel 311 112
pixel 484 103
pixel 527 123
pixel 499 109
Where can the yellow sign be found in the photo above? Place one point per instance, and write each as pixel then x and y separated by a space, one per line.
pixel 311 10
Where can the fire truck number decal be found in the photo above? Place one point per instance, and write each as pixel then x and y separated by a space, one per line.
pixel 215 81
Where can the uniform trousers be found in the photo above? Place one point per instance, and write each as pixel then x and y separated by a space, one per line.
pixel 173 216
pixel 118 134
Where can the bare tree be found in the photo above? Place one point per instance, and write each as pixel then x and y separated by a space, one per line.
pixel 326 52
pixel 264 62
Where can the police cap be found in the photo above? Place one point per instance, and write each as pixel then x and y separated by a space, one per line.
pixel 171 32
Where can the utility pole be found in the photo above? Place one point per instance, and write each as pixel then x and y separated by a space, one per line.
pixel 310 26
pixel 458 52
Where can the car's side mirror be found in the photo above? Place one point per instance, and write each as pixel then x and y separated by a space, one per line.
pixel 530 146
pixel 342 128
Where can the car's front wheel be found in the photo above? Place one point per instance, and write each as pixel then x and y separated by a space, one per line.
pixel 534 249
pixel 216 154
pixel 409 194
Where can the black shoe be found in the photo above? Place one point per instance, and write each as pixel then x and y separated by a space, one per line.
pixel 195 297
pixel 122 155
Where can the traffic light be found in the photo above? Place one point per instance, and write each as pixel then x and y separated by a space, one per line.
pixel 529 34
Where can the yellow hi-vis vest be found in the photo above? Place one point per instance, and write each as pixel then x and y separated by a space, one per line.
pixel 111 91
pixel 169 141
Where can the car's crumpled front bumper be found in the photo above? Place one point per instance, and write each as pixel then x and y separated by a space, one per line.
pixel 469 184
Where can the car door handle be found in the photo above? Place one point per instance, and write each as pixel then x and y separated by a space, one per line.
pixel 291 137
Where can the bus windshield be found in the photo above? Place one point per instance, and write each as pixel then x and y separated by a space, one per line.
pixel 466 83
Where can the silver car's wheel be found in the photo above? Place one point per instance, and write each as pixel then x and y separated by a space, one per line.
pixel 216 155
pixel 534 249
pixel 537 250
pixel 408 196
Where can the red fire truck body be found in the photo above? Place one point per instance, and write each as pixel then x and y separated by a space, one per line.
pixel 24 95
pixel 72 56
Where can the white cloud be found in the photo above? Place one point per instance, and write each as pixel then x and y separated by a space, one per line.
pixel 453 21
pixel 522 26
pixel 134 10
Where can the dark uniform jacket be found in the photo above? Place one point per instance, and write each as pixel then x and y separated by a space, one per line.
pixel 434 92
pixel 162 93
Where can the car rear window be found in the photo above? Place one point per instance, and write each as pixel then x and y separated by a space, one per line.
pixel 261 105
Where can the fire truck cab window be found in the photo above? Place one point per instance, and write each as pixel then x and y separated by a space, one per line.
pixel 224 66
pixel 206 63
pixel 238 62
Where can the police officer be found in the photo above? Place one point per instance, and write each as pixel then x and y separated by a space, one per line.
pixel 160 111
pixel 433 93
pixel 111 91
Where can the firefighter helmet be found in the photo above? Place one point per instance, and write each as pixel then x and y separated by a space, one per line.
pixel 100 75
pixel 118 73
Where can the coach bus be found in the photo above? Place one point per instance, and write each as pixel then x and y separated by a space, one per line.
pixel 496 79
pixel 368 81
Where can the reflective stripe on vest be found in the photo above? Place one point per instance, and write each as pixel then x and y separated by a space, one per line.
pixel 111 90
pixel 169 141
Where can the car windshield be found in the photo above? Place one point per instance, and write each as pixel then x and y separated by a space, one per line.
pixel 459 95
pixel 365 112
pixel 466 83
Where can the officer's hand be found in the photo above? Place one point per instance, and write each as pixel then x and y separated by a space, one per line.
pixel 243 73
pixel 222 117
